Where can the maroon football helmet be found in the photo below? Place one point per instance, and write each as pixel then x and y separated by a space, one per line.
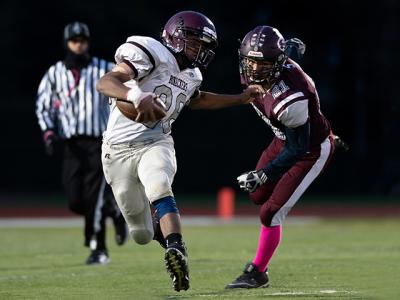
pixel 192 36
pixel 265 46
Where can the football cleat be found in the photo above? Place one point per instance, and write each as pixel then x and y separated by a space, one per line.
pixel 98 257
pixel 121 230
pixel 250 279
pixel 177 266
pixel 158 235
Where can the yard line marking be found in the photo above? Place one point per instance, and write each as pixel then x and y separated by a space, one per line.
pixel 229 295
pixel 310 293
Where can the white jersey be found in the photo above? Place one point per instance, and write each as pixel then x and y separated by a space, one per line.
pixel 156 71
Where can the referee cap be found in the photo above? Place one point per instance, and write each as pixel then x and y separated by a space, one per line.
pixel 76 29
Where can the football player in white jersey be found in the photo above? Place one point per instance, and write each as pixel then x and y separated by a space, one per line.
pixel 139 157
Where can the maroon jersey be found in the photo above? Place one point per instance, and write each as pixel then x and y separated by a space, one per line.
pixel 290 102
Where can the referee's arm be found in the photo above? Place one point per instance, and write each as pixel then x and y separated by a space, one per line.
pixel 44 103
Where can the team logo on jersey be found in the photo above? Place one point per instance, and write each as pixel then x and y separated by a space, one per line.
pixel 175 81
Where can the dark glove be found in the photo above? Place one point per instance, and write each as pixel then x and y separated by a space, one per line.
pixel 340 145
pixel 50 139
pixel 250 181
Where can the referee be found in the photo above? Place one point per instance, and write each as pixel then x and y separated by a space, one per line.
pixel 71 113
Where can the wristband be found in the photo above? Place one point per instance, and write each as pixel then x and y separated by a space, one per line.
pixel 133 95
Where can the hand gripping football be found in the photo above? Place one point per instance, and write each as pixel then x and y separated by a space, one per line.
pixel 128 109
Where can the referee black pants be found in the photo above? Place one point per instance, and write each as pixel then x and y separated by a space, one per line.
pixel 84 185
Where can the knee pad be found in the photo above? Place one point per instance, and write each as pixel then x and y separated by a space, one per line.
pixel 165 205
pixel 142 236
pixel 158 187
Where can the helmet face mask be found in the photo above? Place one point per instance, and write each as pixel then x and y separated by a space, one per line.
pixel 192 36
pixel 260 71
pixel 199 52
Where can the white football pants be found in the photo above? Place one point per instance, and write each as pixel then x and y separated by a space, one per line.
pixel 139 173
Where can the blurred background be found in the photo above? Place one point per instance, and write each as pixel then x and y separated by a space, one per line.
pixel 351 48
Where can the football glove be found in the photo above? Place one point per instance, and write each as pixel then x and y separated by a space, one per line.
pixel 250 181
pixel 340 144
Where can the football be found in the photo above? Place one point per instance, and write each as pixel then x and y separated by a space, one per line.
pixel 128 109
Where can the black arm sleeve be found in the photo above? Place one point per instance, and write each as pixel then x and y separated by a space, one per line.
pixel 296 146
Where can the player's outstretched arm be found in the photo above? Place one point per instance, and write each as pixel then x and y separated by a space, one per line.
pixel 207 100
pixel 112 83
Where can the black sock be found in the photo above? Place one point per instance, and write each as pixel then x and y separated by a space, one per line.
pixel 174 238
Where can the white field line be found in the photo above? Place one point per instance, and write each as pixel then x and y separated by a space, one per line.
pixel 40 222
pixel 186 220
pixel 310 293
pixel 279 294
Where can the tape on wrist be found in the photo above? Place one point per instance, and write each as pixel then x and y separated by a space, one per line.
pixel 133 95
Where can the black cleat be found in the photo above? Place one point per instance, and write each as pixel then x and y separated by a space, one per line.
pixel 158 235
pixel 98 257
pixel 121 230
pixel 250 279
pixel 177 266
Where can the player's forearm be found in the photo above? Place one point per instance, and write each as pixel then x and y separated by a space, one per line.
pixel 280 165
pixel 111 85
pixel 296 146
pixel 207 100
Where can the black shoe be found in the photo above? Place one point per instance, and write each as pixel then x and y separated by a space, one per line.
pixel 121 230
pixel 158 235
pixel 177 266
pixel 98 257
pixel 250 279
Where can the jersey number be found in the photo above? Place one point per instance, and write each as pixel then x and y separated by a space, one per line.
pixel 165 94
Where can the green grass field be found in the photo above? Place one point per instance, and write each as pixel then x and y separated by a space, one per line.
pixel 334 259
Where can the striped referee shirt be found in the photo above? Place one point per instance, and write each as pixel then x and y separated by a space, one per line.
pixel 68 102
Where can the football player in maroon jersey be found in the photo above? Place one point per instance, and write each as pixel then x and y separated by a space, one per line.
pixel 300 150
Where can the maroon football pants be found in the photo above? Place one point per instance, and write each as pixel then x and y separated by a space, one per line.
pixel 278 197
